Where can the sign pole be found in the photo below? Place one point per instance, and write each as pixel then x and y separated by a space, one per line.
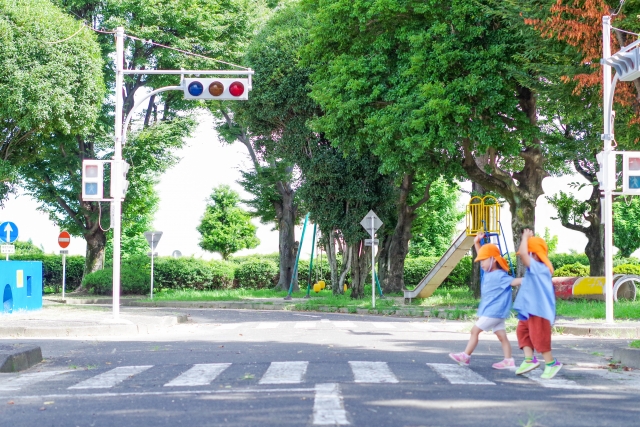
pixel 373 261
pixel 117 157
pixel 152 235
pixel 607 201
pixel 64 273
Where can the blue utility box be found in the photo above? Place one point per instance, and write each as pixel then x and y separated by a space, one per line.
pixel 20 285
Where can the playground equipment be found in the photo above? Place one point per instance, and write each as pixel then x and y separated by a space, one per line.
pixel 624 287
pixel 483 215
pixel 21 284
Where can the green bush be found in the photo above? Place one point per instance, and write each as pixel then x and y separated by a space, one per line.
pixel 572 270
pixel 274 257
pixel 192 273
pixel 627 269
pixel 416 268
pixel 321 271
pixel 622 261
pixel 559 260
pixel 52 269
pixel 135 278
pixel 256 274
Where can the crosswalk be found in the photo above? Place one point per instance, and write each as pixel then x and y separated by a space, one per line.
pixel 277 373
pixel 325 324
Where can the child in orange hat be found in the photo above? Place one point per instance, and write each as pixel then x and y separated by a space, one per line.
pixel 495 304
pixel 536 306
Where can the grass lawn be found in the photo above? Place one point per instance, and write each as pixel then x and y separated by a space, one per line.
pixel 586 309
pixel 634 344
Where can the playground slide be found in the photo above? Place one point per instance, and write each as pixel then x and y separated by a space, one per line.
pixel 442 269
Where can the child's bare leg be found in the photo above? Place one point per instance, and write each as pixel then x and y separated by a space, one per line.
pixel 528 351
pixel 504 341
pixel 473 340
pixel 548 358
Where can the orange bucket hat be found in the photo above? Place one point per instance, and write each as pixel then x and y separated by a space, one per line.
pixel 489 250
pixel 538 246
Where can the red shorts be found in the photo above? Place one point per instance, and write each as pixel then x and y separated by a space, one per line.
pixel 535 332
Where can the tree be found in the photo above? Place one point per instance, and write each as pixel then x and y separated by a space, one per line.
pixel 225 227
pixel 626 226
pixel 50 81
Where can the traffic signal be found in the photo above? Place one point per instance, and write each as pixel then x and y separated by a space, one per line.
pixel 607 169
pixel 600 171
pixel 223 89
pixel 631 172
pixel 626 64
pixel 92 179
pixel 119 169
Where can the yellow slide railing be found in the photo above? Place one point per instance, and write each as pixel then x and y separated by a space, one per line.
pixel 483 215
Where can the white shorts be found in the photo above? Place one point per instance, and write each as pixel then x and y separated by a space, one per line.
pixel 490 323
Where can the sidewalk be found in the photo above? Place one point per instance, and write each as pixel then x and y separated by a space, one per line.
pixel 60 320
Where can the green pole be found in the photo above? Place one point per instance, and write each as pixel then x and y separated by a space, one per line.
pixel 313 247
pixel 378 283
pixel 295 268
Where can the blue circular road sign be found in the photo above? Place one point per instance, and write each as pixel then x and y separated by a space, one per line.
pixel 8 232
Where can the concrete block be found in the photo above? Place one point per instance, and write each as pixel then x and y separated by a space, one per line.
pixel 18 357
pixel 20 285
pixel 627 356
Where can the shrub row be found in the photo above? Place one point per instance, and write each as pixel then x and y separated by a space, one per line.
pixel 579 270
pixel 52 269
pixel 416 268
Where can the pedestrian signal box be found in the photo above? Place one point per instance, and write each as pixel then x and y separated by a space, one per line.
pixel 92 179
pixel 631 172
pixel 228 89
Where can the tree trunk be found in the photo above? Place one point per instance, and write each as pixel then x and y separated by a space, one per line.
pixel 361 256
pixel 347 257
pixel 94 258
pixel 399 245
pixel 285 211
pixel 332 260
pixel 384 261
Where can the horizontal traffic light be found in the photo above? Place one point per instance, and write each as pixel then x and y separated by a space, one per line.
pixel 626 64
pixel 223 89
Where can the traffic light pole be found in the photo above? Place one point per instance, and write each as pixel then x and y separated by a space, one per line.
pixel 607 202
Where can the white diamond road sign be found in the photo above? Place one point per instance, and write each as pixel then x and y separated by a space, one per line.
pixel 153 237
pixel 366 223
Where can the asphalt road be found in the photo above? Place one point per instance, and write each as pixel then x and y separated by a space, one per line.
pixel 247 368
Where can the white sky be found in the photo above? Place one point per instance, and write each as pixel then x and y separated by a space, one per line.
pixel 205 164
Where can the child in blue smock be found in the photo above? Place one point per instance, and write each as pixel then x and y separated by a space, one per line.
pixel 536 306
pixel 495 304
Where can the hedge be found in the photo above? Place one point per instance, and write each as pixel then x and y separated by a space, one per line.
pixel 192 273
pixel 416 268
pixel 559 260
pixel 256 274
pixel 572 270
pixel 52 269
pixel 627 269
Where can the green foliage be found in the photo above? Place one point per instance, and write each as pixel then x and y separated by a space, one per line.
pixel 552 240
pixel 572 270
pixel 192 273
pixel 634 344
pixel 225 227
pixel 275 257
pixel 627 269
pixel 52 269
pixel 558 260
pixel 435 224
pixel 416 268
pixel 133 281
pixel 256 274
pixel 26 248
pixel 626 226
pixel 621 260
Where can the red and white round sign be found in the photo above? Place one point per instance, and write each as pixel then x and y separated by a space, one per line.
pixel 64 239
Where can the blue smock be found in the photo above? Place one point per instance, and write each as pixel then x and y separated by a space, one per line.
pixel 536 296
pixel 496 294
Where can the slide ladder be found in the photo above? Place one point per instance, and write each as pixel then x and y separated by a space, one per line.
pixel 483 215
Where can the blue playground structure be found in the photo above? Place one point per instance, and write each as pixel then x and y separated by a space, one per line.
pixel 21 285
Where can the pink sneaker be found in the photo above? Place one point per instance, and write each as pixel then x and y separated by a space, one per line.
pixel 505 364
pixel 462 358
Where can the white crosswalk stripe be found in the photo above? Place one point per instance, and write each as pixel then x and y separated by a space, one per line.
pixel 284 373
pixel 328 407
pixel 555 382
pixel 372 372
pixel 228 326
pixel 25 380
pixel 268 325
pixel 344 324
pixel 382 325
pixel 305 325
pixel 110 378
pixel 201 374
pixel 457 374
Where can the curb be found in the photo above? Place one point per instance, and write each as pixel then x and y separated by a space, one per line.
pixel 18 357
pixel 129 328
pixel 627 356
pixel 599 331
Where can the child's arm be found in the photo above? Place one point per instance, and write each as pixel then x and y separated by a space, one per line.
pixel 523 251
pixel 516 282
pixel 476 241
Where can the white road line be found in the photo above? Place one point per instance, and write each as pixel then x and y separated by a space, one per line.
pixel 305 325
pixel 421 326
pixel 556 382
pixel 228 326
pixel 16 383
pixel 200 374
pixel 382 325
pixel 165 393
pixel 268 325
pixel 328 408
pixel 284 373
pixel 372 372
pixel 344 324
pixel 110 378
pixel 457 374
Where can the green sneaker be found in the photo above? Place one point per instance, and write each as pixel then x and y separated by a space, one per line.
pixel 551 371
pixel 527 366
